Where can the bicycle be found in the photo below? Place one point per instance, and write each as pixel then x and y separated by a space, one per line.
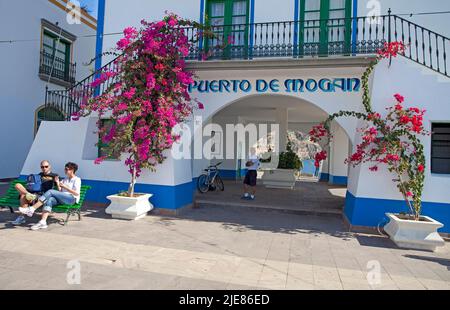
pixel 210 180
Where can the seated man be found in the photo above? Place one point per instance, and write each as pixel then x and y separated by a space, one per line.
pixel 68 193
pixel 48 181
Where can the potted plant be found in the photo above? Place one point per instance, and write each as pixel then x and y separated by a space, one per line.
pixel 285 175
pixel 393 141
pixel 146 95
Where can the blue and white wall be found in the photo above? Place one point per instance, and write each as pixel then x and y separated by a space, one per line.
pixel 370 194
pixel 21 89
pixel 171 183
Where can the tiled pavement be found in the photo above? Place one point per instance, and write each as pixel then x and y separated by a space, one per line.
pixel 217 248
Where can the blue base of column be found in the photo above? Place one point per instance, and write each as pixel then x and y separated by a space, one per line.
pixel 231 174
pixel 370 212
pixel 338 180
pixel 164 197
pixel 324 177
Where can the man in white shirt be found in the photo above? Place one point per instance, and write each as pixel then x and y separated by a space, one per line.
pixel 252 165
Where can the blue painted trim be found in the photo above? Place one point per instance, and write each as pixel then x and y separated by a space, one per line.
pixel 370 212
pixel 296 24
pixel 231 174
pixel 338 180
pixel 202 20
pixel 324 177
pixel 252 28
pixel 355 26
pixel 164 196
pixel 100 31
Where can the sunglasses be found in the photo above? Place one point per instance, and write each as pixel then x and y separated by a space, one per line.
pixel 67 168
pixel 44 167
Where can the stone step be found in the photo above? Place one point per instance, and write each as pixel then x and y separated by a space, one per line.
pixel 253 205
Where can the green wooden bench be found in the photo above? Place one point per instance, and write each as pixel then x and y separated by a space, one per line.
pixel 11 200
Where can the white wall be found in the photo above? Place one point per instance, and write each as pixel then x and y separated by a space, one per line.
pixel 21 89
pixel 420 90
pixel 80 148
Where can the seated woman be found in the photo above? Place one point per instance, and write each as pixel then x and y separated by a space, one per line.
pixel 68 193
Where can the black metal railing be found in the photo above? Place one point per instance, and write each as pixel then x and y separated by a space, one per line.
pixel 344 37
pixel 53 67
pixel 426 47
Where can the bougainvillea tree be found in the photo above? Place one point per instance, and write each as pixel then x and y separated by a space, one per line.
pixel 392 140
pixel 148 96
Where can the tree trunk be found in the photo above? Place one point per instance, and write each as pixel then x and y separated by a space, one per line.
pixel 408 202
pixel 132 184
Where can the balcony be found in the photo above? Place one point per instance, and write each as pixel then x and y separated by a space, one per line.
pixel 56 70
pixel 292 39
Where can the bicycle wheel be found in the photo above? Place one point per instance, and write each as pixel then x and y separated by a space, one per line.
pixel 219 184
pixel 203 184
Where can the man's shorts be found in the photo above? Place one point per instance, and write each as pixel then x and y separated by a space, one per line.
pixel 250 178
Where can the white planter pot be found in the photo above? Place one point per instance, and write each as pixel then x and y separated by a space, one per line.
pixel 419 235
pixel 279 178
pixel 129 208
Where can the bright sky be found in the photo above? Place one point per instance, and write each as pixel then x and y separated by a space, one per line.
pixel 91 5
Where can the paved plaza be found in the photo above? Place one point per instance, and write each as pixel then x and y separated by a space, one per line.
pixel 211 248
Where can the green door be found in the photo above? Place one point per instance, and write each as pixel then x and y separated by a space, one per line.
pixel 229 22
pixel 325 27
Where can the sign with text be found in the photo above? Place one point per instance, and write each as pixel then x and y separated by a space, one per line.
pixel 325 85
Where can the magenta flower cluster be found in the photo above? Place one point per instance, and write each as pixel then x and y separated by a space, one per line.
pixel 149 95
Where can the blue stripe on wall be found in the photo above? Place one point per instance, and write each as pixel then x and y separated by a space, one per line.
pixel 252 27
pixel 164 196
pixel 231 174
pixel 370 212
pixel 296 17
pixel 202 20
pixel 338 180
pixel 355 26
pixel 324 177
pixel 100 30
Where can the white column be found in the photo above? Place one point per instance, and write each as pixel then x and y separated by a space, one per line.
pixel 339 152
pixel 282 121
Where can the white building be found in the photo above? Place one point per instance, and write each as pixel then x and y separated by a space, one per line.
pixel 316 42
pixel 32 29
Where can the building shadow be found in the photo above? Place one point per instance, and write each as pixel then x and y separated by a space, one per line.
pixel 240 219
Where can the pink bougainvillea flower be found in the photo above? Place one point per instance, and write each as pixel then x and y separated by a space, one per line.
pixel 99 160
pixel 130 93
pixel 399 98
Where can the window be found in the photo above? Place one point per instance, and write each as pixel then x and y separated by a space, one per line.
pixel 103 148
pixel 229 20
pixel 440 148
pixel 56 54
pixel 325 27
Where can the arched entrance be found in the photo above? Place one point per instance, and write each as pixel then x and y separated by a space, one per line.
pixel 295 118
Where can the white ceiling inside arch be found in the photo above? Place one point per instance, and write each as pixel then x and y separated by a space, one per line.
pixel 263 108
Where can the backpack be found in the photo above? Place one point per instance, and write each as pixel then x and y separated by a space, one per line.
pixel 34 183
